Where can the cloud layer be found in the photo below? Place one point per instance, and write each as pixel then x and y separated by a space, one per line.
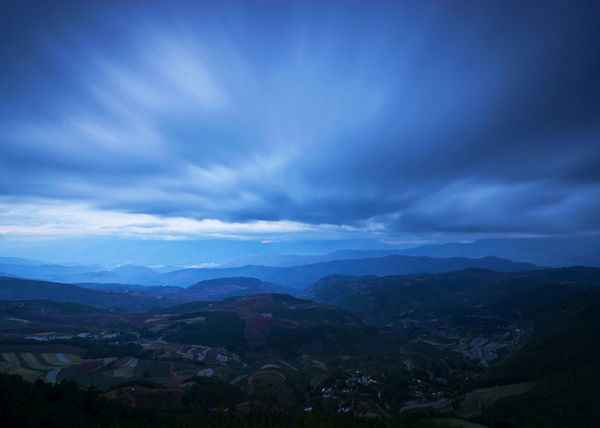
pixel 428 121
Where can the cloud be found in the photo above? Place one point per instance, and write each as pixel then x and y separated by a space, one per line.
pixel 386 120
pixel 476 207
pixel 49 219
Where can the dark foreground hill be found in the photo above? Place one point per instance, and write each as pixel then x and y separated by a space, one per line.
pixel 563 360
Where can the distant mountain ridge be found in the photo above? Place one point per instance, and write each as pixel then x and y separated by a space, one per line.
pixel 302 276
pixel 38 270
pixel 24 289
pixel 20 261
pixel 76 274
pixel 553 252
pixel 289 260
pixel 294 277
pixel 235 282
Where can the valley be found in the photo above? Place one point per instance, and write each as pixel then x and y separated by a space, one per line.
pixel 423 347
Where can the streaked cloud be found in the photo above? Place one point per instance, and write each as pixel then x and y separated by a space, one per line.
pixel 49 219
pixel 396 121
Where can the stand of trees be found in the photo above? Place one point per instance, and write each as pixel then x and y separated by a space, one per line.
pixel 65 405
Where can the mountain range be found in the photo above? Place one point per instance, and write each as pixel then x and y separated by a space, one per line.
pixel 553 252
pixel 392 344
pixel 291 277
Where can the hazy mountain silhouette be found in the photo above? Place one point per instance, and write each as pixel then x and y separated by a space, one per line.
pixel 554 252
pixel 302 276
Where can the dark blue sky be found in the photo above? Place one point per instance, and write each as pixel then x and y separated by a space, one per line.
pixel 277 120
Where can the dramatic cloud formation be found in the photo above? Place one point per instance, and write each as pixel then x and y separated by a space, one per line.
pixel 393 120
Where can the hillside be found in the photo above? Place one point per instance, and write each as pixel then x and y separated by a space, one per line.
pixel 562 358
pixel 280 325
pixel 385 297
pixel 222 288
pixel 23 289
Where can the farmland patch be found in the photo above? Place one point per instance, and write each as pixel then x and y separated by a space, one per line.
pixel 33 363
pixel 477 400
pixel 124 372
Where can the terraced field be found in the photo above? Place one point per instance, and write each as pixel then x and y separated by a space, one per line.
pixel 457 423
pixel 33 366
pixel 477 400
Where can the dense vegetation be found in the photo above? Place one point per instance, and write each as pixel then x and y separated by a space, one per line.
pixel 25 404
pixel 40 404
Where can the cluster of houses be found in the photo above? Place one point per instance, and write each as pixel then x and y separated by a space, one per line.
pixel 347 385
pixel 46 337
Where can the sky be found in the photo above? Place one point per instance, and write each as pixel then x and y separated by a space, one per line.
pixel 395 121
